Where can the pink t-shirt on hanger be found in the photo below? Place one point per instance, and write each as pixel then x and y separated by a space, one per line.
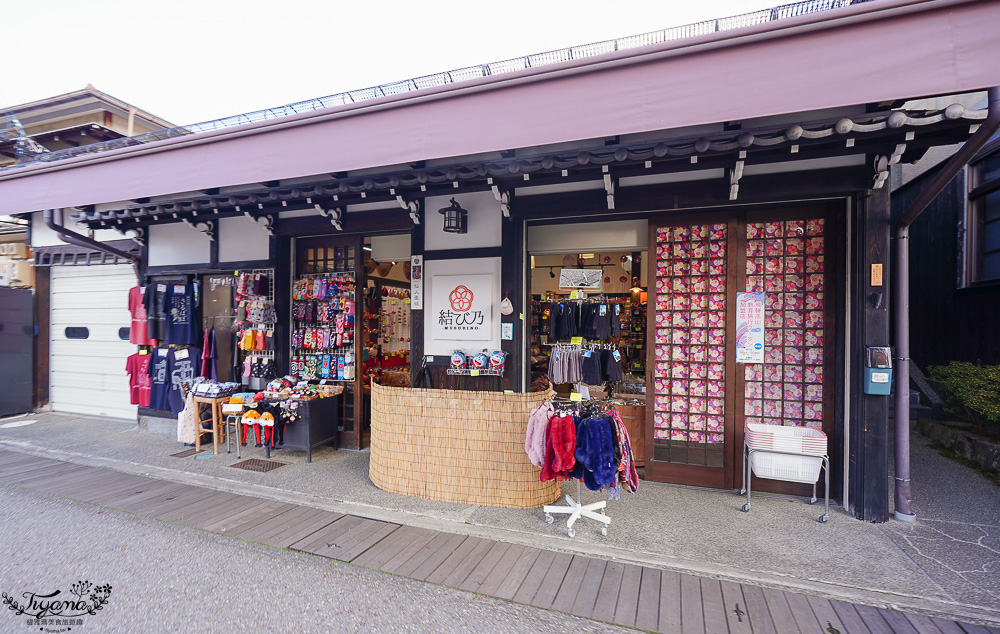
pixel 138 333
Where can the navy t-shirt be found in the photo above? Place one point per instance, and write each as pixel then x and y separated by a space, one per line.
pixel 182 308
pixel 159 389
pixel 182 366
pixel 156 317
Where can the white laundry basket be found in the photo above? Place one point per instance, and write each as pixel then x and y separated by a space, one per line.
pixel 777 466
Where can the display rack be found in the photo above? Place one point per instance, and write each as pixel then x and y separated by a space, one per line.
pixel 469 372
pixel 265 356
pixel 268 297
pixel 576 510
pixel 331 362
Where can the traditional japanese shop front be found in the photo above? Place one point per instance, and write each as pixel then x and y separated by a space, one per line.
pixel 746 182
pixel 678 326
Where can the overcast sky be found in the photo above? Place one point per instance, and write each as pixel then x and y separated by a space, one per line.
pixel 189 61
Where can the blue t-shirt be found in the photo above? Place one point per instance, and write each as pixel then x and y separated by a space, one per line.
pixel 159 388
pixel 182 366
pixel 182 309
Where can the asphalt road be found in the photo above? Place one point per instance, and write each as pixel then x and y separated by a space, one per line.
pixel 168 578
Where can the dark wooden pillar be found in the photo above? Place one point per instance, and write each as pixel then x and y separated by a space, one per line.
pixel 417 316
pixel 512 275
pixel 281 257
pixel 868 461
pixel 42 335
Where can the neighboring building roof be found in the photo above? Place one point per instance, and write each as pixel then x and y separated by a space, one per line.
pixel 869 54
pixel 54 140
pixel 40 110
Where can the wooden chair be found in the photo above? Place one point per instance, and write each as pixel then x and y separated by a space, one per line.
pixel 217 427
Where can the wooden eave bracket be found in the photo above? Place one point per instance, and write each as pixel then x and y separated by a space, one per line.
pixel 208 227
pixel 502 197
pixel 265 220
pixel 610 184
pixel 334 214
pixel 412 206
pixel 881 171
pixel 735 175
pixel 138 233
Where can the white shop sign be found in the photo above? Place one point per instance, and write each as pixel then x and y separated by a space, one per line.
pixel 462 307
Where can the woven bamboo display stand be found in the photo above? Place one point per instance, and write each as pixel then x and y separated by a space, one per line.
pixel 456 446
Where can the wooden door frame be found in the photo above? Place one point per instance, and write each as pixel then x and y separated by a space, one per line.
pixel 736 220
pixel 676 473
pixel 345 439
pixel 831 292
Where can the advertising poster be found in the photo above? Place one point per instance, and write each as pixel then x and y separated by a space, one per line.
pixel 749 327
pixel 462 307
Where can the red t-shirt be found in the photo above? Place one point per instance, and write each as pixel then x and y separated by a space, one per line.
pixel 138 334
pixel 139 380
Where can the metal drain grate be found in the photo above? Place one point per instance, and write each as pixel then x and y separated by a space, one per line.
pixel 185 453
pixel 258 465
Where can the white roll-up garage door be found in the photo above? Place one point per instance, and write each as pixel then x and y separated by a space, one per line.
pixel 89 315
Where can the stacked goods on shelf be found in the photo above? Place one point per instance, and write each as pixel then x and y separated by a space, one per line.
pixel 323 331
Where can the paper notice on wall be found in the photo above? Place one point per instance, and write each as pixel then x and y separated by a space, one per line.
pixel 750 328
pixel 416 282
pixel 507 331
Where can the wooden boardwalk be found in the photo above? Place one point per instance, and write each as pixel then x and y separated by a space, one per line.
pixel 620 593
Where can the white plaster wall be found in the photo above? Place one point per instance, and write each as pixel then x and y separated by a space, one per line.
pixel 42 236
pixel 241 238
pixel 485 222
pixel 391 248
pixel 177 243
pixel 620 235
pixel 436 347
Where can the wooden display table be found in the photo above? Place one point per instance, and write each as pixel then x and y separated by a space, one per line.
pixel 456 446
pixel 315 426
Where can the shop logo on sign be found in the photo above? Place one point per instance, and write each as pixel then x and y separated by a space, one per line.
pixel 461 299
pixel 59 614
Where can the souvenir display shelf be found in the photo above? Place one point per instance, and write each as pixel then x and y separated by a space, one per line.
pixel 311 359
pixel 316 425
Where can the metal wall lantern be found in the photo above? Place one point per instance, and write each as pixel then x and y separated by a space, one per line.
pixel 456 219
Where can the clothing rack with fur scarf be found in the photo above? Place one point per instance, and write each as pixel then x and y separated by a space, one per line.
pixel 586 441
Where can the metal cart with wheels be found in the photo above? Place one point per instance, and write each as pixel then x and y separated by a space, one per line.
pixel 748 467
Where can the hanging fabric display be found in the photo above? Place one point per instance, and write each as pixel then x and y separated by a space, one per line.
pixel 587 442
pixel 181 307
